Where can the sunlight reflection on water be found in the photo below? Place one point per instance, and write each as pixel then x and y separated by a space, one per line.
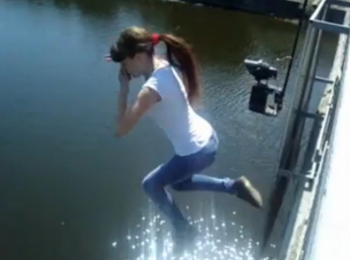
pixel 151 240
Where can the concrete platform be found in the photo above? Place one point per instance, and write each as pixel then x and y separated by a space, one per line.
pixel 331 238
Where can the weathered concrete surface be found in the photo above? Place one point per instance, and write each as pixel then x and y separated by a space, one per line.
pixel 305 201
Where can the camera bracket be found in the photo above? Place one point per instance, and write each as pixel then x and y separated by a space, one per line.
pixel 264 98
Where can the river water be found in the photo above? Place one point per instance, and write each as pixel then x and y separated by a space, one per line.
pixel 68 189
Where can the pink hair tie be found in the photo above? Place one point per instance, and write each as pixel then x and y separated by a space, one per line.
pixel 155 38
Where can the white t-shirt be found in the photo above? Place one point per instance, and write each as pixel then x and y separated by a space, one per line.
pixel 187 131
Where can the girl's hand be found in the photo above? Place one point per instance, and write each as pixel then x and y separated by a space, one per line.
pixel 108 58
pixel 124 78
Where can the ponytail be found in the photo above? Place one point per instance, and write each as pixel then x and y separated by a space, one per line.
pixel 137 39
pixel 184 59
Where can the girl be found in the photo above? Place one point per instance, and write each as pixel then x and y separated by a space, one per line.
pixel 171 87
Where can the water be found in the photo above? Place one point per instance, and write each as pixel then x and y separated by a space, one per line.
pixel 68 188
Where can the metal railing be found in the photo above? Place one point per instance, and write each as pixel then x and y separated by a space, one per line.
pixel 297 235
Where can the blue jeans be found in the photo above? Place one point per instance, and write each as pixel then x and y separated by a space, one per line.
pixel 181 174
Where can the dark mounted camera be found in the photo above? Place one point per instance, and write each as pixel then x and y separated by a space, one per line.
pixel 260 70
pixel 264 98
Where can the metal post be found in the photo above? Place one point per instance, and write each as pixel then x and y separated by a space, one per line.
pixel 297 231
pixel 296 121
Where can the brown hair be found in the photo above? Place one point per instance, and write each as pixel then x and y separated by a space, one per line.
pixel 179 53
